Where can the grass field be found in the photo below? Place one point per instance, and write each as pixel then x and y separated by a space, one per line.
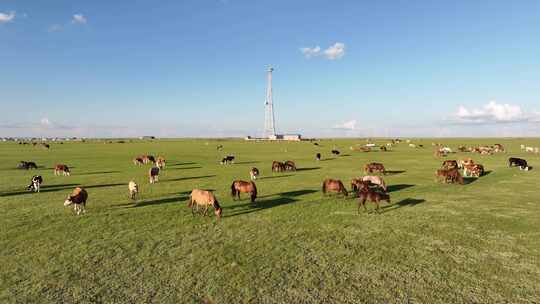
pixel 435 243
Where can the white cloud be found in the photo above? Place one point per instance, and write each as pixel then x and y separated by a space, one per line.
pixel 79 19
pixel 311 52
pixel 348 125
pixel 45 122
pixel 335 51
pixel 7 17
pixel 492 112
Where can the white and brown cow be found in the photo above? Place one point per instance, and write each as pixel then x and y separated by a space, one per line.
pixel 133 189
pixel 78 199
pixel 153 174
pixel 61 169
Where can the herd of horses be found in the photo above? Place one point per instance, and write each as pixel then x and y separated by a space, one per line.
pixel 366 188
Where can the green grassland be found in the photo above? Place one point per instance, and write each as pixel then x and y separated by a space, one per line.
pixel 435 243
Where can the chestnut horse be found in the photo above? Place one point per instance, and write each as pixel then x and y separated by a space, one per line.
pixel 334 185
pixel 374 197
pixel 375 180
pixel 449 176
pixel 357 185
pixel 239 186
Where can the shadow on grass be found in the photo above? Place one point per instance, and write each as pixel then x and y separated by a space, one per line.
pixel 397 187
pixel 247 162
pixel 411 202
pixel 470 180
pixel 180 168
pixel 278 176
pixel 394 172
pixel 308 169
pixel 188 178
pixel 179 164
pixel 283 198
pixel 47 188
pixel 98 172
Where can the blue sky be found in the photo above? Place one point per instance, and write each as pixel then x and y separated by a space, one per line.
pixel 197 68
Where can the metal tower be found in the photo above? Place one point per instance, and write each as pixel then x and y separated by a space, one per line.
pixel 269 123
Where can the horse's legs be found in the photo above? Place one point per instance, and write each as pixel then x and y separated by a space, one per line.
pixel 206 210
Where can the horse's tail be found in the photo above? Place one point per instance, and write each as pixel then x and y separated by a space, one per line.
pixel 253 192
pixel 216 205
pixel 324 187
pixel 233 189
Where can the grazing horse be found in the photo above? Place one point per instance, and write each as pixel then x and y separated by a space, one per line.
pixel 449 164
pixel 204 199
pixel 449 176
pixel 78 199
pixel 334 185
pixel 290 165
pixel 239 186
pixel 375 180
pixel 26 165
pixel 160 162
pixel 153 174
pixel 229 159
pixel 474 170
pixel 374 167
pixel 374 197
pixel 518 162
pixel 61 169
pixel 133 189
pixel 254 173
pixel 35 183
pixel 357 185
pixel 278 166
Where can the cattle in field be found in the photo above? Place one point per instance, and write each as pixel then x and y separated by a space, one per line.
pixel 518 162
pixel 529 149
pixel 474 170
pixel 383 149
pixel 61 169
pixel 334 185
pixel 138 161
pixel 229 159
pixel 498 148
pixel 26 165
pixel 318 156
pixel 335 152
pixel 449 164
pixel 254 173
pixel 133 189
pixel 278 166
pixel 374 196
pixel 153 175
pixel 374 167
pixel 35 183
pixel 203 198
pixel 148 159
pixel 449 176
pixel 45 146
pixel 78 199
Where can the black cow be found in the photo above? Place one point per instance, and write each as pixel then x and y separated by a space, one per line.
pixel 318 156
pixel 26 165
pixel 335 152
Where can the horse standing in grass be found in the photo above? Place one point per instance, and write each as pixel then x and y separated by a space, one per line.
pixel 374 197
pixel 203 198
pixel 239 186
pixel 357 185
pixel 375 180
pixel 449 176
pixel 278 166
pixel 334 185
pixel 374 167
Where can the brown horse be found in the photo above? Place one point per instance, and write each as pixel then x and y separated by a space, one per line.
pixel 239 186
pixel 375 180
pixel 278 166
pixel 205 199
pixel 334 185
pixel 449 164
pixel 374 197
pixel 374 167
pixel 449 176
pixel 357 185
pixel 290 165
